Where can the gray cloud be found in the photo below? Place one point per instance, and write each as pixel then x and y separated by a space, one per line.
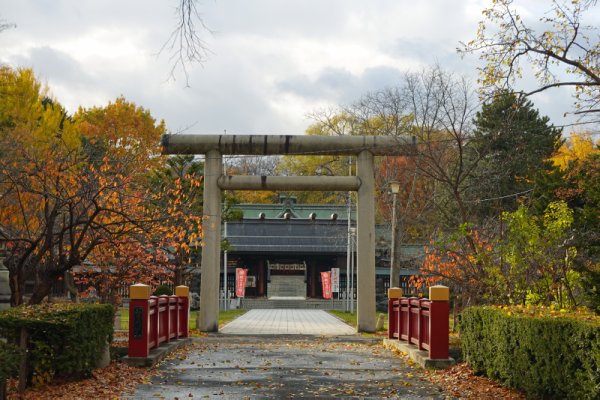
pixel 49 62
pixel 340 85
pixel 271 59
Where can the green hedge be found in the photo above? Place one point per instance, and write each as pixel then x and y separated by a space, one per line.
pixel 163 290
pixel 9 356
pixel 549 357
pixel 64 339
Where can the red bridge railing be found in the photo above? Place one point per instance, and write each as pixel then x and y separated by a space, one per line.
pixel 155 320
pixel 422 322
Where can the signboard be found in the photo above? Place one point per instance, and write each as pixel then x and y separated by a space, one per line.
pixel 240 282
pixel 251 281
pixel 138 322
pixel 287 267
pixel 335 280
pixel 326 281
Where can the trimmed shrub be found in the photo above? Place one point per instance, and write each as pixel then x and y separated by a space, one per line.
pixel 10 356
pixel 163 290
pixel 549 357
pixel 64 339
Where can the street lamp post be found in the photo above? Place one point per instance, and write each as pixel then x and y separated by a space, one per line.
pixel 394 261
pixel 225 303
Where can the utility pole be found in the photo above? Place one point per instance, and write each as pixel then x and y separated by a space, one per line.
pixel 226 305
pixel 394 259
pixel 348 248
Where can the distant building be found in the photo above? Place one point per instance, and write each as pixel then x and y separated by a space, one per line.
pixel 286 246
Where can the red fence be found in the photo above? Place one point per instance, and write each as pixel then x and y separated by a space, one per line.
pixel 155 320
pixel 421 322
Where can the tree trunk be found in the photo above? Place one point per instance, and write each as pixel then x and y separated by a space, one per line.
pixel 16 288
pixel 23 367
pixel 3 389
pixel 42 290
pixel 70 286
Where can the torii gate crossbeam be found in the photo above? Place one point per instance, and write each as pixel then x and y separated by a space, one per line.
pixel 214 146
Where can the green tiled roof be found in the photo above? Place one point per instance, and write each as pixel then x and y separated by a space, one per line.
pixel 298 211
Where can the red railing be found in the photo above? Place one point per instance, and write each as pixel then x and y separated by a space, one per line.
pixel 156 320
pixel 421 322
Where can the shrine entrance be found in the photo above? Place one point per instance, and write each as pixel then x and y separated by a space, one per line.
pixel 365 148
pixel 286 280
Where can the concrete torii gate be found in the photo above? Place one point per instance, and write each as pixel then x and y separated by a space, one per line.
pixel 215 146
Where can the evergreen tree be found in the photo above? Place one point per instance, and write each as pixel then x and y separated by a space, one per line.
pixel 516 142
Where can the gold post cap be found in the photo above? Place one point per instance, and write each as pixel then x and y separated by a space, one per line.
pixel 394 293
pixel 182 291
pixel 139 291
pixel 439 293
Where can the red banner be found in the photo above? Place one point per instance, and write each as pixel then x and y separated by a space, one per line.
pixel 240 282
pixel 326 280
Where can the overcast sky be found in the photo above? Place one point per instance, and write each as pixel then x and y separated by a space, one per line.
pixel 272 61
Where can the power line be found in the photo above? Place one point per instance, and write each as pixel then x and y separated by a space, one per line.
pixel 501 197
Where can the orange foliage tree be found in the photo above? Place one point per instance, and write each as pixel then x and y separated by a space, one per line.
pixel 451 260
pixel 176 201
pixel 114 266
pixel 71 186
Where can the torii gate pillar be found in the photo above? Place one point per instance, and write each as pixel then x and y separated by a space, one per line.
pixel 365 249
pixel 208 315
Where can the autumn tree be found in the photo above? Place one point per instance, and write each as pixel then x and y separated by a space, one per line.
pixel 176 193
pixel 436 108
pixel 316 165
pixel 561 49
pixel 414 206
pixel 538 258
pixel 450 258
pixel 114 266
pixel 577 147
pixel 577 182
pixel 125 133
pixel 252 165
pixel 63 193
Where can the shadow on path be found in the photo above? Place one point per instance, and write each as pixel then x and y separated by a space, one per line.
pixel 280 367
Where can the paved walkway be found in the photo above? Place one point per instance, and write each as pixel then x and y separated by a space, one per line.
pixel 287 322
pixel 287 367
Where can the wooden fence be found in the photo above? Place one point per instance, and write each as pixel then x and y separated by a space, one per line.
pixel 421 322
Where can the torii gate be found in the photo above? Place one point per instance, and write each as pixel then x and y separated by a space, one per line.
pixel 215 146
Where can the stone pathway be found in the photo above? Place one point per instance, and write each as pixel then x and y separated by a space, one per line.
pixel 287 367
pixel 287 322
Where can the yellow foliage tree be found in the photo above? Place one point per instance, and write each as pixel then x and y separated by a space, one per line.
pixel 578 147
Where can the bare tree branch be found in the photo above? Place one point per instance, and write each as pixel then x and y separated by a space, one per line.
pixel 558 43
pixel 186 45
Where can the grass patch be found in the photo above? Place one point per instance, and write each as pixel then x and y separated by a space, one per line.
pixel 346 316
pixel 350 318
pixel 228 316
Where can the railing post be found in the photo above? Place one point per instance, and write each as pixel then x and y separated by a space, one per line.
pixel 183 293
pixel 439 328
pixel 394 295
pixel 138 320
pixel 155 321
pixel 174 317
pixel 165 318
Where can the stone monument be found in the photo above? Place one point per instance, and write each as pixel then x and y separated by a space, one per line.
pixel 4 284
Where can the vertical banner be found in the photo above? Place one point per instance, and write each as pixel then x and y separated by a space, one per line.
pixel 326 280
pixel 240 282
pixel 335 280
